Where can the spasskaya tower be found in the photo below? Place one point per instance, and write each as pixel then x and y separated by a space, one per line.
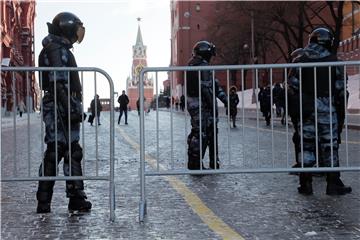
pixel 132 82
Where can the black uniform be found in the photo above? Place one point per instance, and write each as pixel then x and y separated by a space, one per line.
pixel 264 98
pixel 123 100
pixel 56 53
pixel 95 109
pixel 316 121
pixel 182 102
pixel 234 101
pixel 208 123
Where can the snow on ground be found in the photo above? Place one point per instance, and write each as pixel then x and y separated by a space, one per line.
pixel 354 90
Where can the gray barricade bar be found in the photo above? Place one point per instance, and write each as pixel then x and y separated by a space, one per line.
pixel 276 161
pixel 66 125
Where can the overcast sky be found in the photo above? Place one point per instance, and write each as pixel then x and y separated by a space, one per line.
pixel 111 29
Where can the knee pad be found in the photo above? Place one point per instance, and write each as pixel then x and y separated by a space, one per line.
pixel 49 162
pixel 50 153
pixel 194 149
pixel 49 157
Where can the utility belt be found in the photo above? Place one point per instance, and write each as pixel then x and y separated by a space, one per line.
pixel 75 110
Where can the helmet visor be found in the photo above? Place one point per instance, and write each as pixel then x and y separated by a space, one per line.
pixel 80 33
pixel 213 50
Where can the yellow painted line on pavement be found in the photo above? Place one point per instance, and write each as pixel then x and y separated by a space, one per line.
pixel 198 206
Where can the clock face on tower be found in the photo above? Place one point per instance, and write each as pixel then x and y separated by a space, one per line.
pixel 139 52
pixel 138 69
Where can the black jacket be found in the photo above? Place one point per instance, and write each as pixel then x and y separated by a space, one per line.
pixel 124 101
pixel 98 107
pixel 56 53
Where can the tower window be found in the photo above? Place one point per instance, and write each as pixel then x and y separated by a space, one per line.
pixel 197 7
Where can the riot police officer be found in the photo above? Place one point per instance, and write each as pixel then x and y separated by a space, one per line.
pixel 328 107
pixel 202 53
pixel 234 101
pixel 64 31
pixel 264 98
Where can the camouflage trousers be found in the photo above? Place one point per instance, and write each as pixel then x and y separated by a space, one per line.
pixel 60 124
pixel 326 142
pixel 208 139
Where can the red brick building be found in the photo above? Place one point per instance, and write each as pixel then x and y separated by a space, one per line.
pixel 132 82
pixel 17 49
pixel 192 21
pixel 189 24
pixel 349 48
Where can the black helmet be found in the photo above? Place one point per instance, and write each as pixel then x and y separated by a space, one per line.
pixel 322 36
pixel 204 49
pixel 67 25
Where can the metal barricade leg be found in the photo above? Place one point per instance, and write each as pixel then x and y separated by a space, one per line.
pixel 21 171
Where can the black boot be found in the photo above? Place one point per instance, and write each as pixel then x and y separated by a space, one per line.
pixel 212 165
pixel 305 184
pixel 77 196
pixel 45 188
pixel 44 202
pixel 195 165
pixel 75 188
pixel 335 186
pixel 79 204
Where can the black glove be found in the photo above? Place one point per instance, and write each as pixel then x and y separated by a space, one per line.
pixel 341 111
pixel 76 115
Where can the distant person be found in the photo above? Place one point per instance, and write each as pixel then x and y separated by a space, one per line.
pixel 182 102
pixel 277 89
pixel 21 107
pixel 234 101
pixel 138 105
pixel 123 100
pixel 279 101
pixel 95 108
pixel 168 102
pixel 177 103
pixel 265 103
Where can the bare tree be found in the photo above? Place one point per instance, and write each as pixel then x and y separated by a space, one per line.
pixel 336 11
pixel 230 34
pixel 280 28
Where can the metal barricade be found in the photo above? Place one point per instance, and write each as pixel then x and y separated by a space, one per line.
pixel 275 162
pixel 29 171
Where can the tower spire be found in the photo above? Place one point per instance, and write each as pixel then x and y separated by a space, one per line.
pixel 139 40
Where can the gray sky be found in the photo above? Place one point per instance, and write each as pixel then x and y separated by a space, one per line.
pixel 111 29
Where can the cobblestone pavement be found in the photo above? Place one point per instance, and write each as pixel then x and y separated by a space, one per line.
pixel 256 206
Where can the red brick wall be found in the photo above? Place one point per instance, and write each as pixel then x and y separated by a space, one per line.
pixel 17 31
pixel 133 94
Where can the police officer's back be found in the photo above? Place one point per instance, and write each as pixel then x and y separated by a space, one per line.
pixel 202 91
pixel 264 98
pixel 329 105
